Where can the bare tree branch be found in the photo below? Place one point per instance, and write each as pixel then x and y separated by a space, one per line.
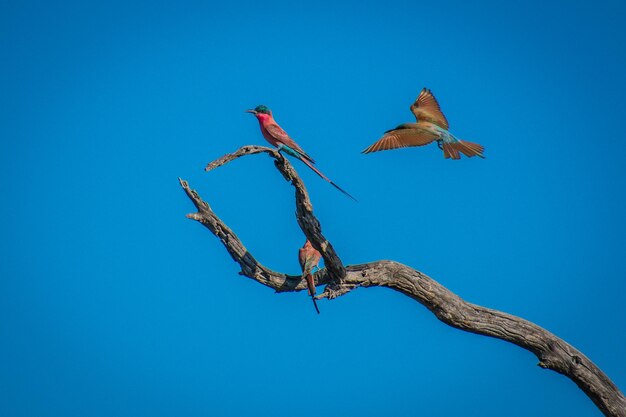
pixel 250 267
pixel 304 209
pixel 553 353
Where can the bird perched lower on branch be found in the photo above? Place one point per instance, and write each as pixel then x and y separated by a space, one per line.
pixel 275 135
pixel 431 126
pixel 309 258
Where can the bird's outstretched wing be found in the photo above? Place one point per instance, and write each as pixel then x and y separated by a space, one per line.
pixel 280 135
pixel 402 137
pixel 427 109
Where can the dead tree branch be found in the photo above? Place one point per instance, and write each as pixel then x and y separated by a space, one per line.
pixel 304 209
pixel 553 353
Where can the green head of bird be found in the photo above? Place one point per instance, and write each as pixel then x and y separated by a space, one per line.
pixel 260 109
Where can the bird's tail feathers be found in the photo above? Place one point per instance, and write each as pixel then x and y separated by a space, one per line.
pixel 450 152
pixel 318 172
pixel 309 162
pixel 291 151
pixel 315 304
pixel 469 149
pixel 311 286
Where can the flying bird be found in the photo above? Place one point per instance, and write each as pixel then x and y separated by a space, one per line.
pixel 309 258
pixel 431 126
pixel 275 135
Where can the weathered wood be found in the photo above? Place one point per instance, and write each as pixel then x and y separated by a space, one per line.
pixel 304 209
pixel 553 353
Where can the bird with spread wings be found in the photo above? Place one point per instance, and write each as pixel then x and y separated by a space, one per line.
pixel 431 126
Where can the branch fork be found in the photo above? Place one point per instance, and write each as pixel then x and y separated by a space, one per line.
pixel 553 353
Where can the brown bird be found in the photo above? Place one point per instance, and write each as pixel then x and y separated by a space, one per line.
pixel 309 258
pixel 431 126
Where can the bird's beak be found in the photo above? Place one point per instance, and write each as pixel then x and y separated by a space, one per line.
pixel 251 111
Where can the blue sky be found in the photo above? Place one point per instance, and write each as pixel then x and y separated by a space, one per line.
pixel 113 303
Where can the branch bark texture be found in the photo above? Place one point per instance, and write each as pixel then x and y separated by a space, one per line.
pixel 553 353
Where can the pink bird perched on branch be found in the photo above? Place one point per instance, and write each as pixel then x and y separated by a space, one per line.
pixel 309 258
pixel 275 135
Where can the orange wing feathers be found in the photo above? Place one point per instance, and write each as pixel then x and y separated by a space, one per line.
pixel 402 137
pixel 431 125
pixel 427 109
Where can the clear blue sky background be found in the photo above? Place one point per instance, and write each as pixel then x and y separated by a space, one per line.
pixel 112 303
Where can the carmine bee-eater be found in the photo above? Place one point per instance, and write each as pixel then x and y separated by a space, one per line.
pixel 275 135
pixel 431 126
pixel 309 258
